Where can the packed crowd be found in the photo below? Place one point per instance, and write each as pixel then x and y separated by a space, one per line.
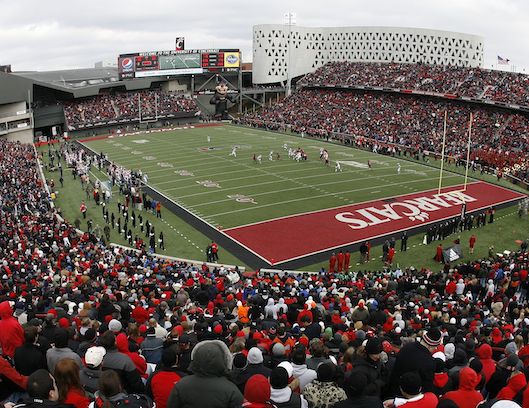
pixel 120 106
pixel 499 139
pixel 83 324
pixel 479 83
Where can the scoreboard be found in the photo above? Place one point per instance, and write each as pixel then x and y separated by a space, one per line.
pixel 169 63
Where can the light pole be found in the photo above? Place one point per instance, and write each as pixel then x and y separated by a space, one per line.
pixel 290 20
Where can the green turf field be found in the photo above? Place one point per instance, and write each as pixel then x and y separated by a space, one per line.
pixel 176 161
pixel 231 191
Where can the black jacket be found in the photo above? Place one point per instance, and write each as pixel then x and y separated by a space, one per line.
pixel 414 357
pixel 29 358
pixel 125 368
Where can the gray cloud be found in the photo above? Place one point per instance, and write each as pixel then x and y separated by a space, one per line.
pixel 59 34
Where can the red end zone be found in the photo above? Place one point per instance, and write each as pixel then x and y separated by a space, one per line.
pixel 287 238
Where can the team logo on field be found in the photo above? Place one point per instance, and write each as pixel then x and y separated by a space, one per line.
pixel 149 158
pixel 140 141
pixel 242 198
pixel 136 152
pixel 209 148
pixel 209 184
pixel 416 209
pixel 164 164
pixel 118 144
pixel 184 173
pixel 125 148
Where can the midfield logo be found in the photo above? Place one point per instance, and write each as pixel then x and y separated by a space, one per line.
pixel 184 173
pixel 416 209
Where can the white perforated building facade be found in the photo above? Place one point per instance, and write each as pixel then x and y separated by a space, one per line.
pixel 312 47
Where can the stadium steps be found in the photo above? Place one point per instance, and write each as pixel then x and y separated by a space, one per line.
pixel 116 110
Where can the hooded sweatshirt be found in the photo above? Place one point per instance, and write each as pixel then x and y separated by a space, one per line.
pixel 271 308
pixel 304 374
pixel 211 361
pixel 513 387
pixel 466 396
pixel 122 344
pixel 484 353
pixel 11 332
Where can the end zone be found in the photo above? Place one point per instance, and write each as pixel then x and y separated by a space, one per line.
pixel 288 238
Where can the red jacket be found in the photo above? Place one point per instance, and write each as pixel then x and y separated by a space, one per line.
pixel 122 344
pixel 466 396
pixel 8 371
pixel 428 400
pixel 160 385
pixel 513 387
pixel 484 353
pixel 77 398
pixel 11 332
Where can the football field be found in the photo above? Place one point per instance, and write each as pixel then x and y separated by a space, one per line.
pixel 234 193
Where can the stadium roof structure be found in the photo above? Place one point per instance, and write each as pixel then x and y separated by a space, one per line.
pixel 84 81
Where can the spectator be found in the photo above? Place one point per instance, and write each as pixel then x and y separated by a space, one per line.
pixel 60 350
pixel 91 372
pixel 257 392
pixel 111 393
pixel 11 332
pixel 42 391
pixel 162 381
pixel 29 357
pixel 281 393
pixel 151 347
pixel 121 364
pixel 323 392
pixel 466 396
pixel 208 385
pixel 69 385
pixel 354 385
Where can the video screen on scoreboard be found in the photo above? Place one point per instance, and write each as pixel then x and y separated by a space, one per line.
pixel 168 63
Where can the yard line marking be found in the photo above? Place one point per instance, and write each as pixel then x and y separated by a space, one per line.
pixel 256 207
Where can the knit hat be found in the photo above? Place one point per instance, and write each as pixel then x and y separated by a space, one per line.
pixel 511 361
pixel 94 356
pixel 239 361
pixel 257 389
pixel 279 378
pixel 287 366
pixel 278 350
pixel 432 337
pixel 90 334
pixel 115 326
pixel 505 404
pixel 255 356
pixel 373 346
pixel 326 372
pixel 355 383
pixel 64 322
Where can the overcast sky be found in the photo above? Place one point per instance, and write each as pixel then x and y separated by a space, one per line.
pixel 59 34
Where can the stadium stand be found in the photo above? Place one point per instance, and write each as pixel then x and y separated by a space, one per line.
pixel 409 337
pixel 500 139
pixel 124 107
pixel 477 83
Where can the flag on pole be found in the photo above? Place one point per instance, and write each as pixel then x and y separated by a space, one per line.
pixel 503 61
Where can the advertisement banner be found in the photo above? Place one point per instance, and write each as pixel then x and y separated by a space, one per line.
pixel 232 59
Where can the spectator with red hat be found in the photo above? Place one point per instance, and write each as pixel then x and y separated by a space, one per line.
pixel 11 332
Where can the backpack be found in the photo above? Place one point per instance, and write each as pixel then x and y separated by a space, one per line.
pixel 130 401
